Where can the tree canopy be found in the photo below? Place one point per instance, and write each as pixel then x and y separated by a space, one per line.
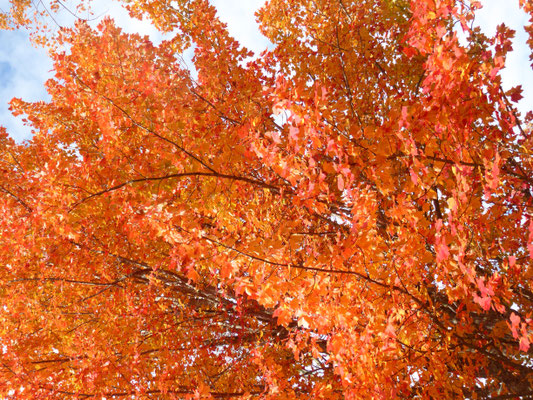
pixel 348 215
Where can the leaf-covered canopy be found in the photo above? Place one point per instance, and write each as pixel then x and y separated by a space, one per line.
pixel 347 215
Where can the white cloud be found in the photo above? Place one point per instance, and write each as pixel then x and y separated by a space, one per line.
pixel 242 25
pixel 114 9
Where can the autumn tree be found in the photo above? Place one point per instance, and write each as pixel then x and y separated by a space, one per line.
pixel 347 215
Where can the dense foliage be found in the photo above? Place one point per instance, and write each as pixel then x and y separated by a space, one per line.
pixel 347 215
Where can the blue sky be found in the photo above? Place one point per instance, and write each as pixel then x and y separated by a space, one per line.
pixel 24 69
